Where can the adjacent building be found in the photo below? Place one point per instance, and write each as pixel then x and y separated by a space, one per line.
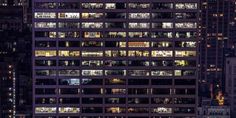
pixel 7 89
pixel 217 41
pixel 115 59
pixel 230 86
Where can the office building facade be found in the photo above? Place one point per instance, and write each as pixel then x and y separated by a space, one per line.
pixel 115 59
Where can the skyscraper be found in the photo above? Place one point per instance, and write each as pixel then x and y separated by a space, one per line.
pixel 216 40
pixel 115 59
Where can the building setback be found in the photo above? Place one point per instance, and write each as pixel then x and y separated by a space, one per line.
pixel 115 59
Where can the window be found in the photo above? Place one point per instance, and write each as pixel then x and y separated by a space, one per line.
pixel 71 81
pixel 185 63
pixel 138 53
pixel 92 34
pixel 187 15
pixel 69 63
pixel 162 110
pixel 115 110
pixel 185 34
pixel 115 81
pixel 139 34
pixel 70 25
pixel 45 53
pixel 68 53
pixel 162 73
pixel 115 72
pixel 45 44
pixel 115 34
pixel 92 44
pixel 139 25
pixel 45 62
pixel 45 5
pixel 45 72
pixel 185 53
pixel 92 72
pixel 115 25
pixel 69 110
pixel 92 5
pixel 164 25
pixel 115 15
pixel 162 44
pixel 139 15
pixel 185 25
pixel 162 53
pixel 186 6
pixel 92 53
pixel 115 44
pixel 68 15
pixel 161 35
pixel 68 72
pixel 115 100
pixel 186 44
pixel 92 25
pixel 92 15
pixel 68 34
pixel 115 53
pixel 69 44
pixel 162 5
pixel 45 34
pixel 138 73
pixel 45 25
pixel 45 100
pixel 138 44
pixel 118 5
pixel 68 5
pixel 45 110
pixel 45 15
pixel 92 100
pixel 92 63
pixel 139 5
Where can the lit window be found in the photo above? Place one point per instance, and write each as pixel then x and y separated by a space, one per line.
pixel 162 53
pixel 92 15
pixel 139 15
pixel 139 25
pixel 45 110
pixel 117 5
pixel 45 15
pixel 138 53
pixel 92 53
pixel 162 110
pixel 138 44
pixel 164 25
pixel 69 110
pixel 186 6
pixel 69 72
pixel 162 73
pixel 92 72
pixel 92 5
pixel 115 53
pixel 45 53
pixel 185 25
pixel 68 15
pixel 185 53
pixel 45 25
pixel 139 5
pixel 92 25
pixel 69 53
pixel 92 34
